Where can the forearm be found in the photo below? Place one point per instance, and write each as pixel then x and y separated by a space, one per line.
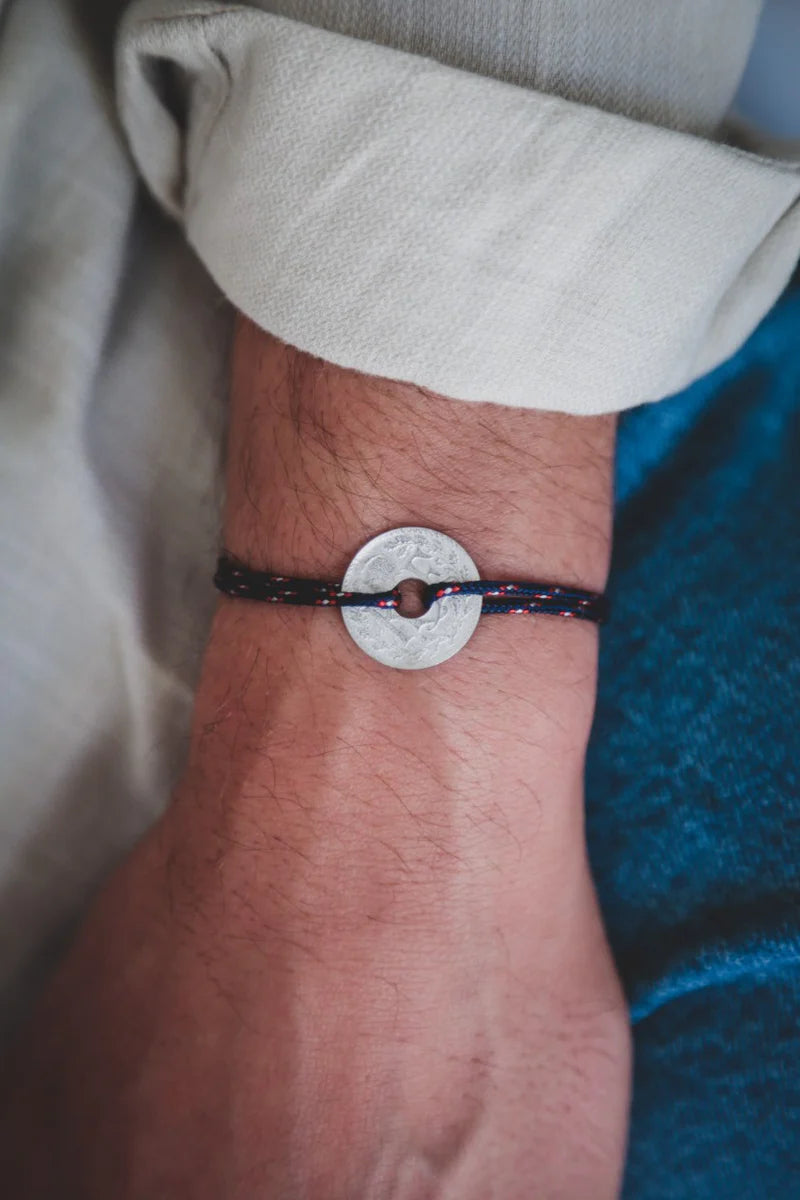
pixel 422 830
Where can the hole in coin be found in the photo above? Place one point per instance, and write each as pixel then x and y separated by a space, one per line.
pixel 412 598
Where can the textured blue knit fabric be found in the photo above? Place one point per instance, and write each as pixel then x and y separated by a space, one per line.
pixel 694 775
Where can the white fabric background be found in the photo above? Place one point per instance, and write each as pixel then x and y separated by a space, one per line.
pixel 112 342
pixel 112 383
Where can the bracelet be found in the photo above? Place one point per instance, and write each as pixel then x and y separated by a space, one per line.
pixel 454 596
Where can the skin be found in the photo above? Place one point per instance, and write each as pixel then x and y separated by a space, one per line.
pixel 360 957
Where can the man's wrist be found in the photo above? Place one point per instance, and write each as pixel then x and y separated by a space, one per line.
pixel 321 459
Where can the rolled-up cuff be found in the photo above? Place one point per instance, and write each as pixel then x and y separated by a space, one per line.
pixel 412 220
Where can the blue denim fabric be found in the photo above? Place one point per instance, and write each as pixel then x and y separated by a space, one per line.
pixel 692 788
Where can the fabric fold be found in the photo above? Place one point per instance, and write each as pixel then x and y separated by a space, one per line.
pixel 410 219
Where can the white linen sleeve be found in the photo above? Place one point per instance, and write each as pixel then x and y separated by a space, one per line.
pixel 524 202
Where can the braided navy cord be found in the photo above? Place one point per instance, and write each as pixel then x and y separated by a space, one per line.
pixel 504 597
